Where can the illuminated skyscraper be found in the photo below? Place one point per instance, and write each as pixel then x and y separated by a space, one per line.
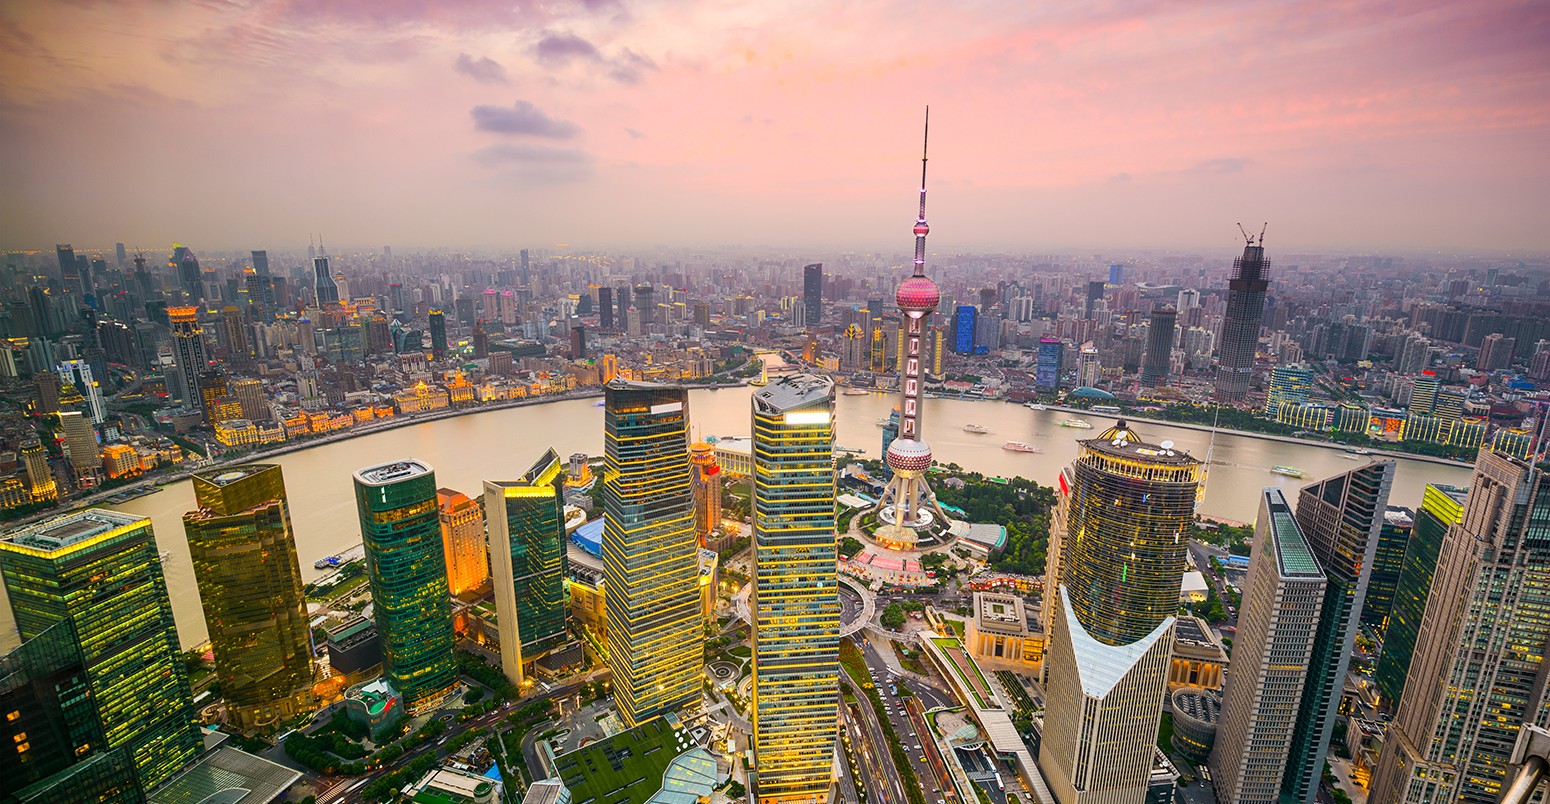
pixel 1281 601
pixel 1240 328
pixel 1442 506
pixel 80 443
pixel 462 541
pixel 100 572
pixel 401 531
pixel 1046 375
pixel 706 476
pixel 79 374
pixel 907 504
pixel 1340 517
pixel 190 354
pixel 650 556
pixel 1478 670
pixel 1118 543
pixel 812 293
pixel 244 555
pixel 795 603
pixel 527 561
pixel 40 477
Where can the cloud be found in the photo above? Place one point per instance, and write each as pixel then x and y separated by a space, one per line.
pixel 523 119
pixel 626 68
pixel 559 49
pixel 1220 166
pixel 634 135
pixel 485 70
pixel 539 163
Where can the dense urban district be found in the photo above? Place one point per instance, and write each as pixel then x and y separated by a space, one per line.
pixel 768 617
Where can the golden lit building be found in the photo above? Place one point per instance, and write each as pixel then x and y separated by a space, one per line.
pixel 462 542
pixel 998 631
pixel 706 477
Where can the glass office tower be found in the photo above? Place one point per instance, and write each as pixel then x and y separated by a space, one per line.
pixel 527 561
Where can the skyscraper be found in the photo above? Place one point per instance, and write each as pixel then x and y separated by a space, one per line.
pixel 1159 346
pixel 527 561
pixel 1478 670
pixel 1281 601
pixel 650 556
pixel 812 293
pixel 795 601
pixel 1088 367
pixel 244 555
pixel 1046 375
pixel 190 277
pixel 706 477
pixel 1442 506
pixel 1387 563
pixel 462 541
pixel 80 443
pixel 1117 552
pixel 265 284
pixel 438 326
pixel 1289 385
pixel 1246 288
pixel 401 531
pixel 605 308
pixel 40 477
pixel 323 284
pixel 190 354
pixel 79 374
pixel 100 572
pixel 1340 517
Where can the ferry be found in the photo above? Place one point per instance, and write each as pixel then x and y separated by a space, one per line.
pixel 1077 423
pixel 857 391
pixel 1286 471
pixel 1359 451
pixel 883 422
pixel 850 450
pixel 975 428
pixel 1018 446
pixel 1035 406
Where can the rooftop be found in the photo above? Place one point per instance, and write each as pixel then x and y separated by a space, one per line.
pixel 226 775
pixel 1121 442
pixel 1103 666
pixel 794 391
pixel 71 529
pixel 389 473
pixel 629 767
pixel 1000 613
pixel 1293 557
pixel 231 475
pixel 1197 704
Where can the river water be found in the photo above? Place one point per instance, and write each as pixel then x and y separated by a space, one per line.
pixel 502 444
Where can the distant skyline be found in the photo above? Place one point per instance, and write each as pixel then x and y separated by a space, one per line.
pixel 1401 127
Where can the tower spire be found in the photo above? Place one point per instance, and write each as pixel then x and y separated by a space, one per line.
pixel 921 229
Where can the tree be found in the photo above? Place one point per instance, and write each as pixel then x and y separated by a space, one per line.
pixel 736 790
pixel 893 616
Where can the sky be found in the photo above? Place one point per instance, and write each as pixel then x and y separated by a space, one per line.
pixel 1409 126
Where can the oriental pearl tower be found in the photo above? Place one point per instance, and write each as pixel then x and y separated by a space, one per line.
pixel 908 507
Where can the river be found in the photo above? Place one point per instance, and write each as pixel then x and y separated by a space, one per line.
pixel 501 444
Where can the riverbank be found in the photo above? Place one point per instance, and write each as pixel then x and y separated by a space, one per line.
pixel 1388 453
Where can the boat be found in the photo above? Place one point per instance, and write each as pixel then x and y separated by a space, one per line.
pixel 975 428
pixel 1018 446
pixel 884 421
pixel 1286 471
pixel 1351 456
pixel 856 392
pixel 850 450
pixel 1077 423
pixel 1035 406
pixel 1360 451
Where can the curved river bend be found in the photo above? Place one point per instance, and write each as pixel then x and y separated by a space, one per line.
pixel 500 444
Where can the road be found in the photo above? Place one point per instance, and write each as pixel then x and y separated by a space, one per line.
pixel 913 739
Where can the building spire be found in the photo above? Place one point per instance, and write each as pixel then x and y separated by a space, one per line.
pixel 921 229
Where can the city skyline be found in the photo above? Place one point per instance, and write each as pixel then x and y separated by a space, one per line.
pixel 1379 128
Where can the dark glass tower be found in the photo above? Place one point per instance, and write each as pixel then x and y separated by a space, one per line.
pixel 1387 563
pixel 438 324
pixel 265 285
pixel 244 555
pixel 526 525
pixel 812 293
pixel 1341 518
pixel 1441 507
pixel 401 531
pixel 100 572
pixel 1240 329
pixel 1159 346
pixel 650 553
pixel 323 282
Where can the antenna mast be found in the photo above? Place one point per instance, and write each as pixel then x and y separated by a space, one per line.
pixel 921 228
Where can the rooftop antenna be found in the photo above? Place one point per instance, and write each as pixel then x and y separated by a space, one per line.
pixel 921 228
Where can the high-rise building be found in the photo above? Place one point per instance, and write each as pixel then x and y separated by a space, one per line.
pixel 80 443
pixel 46 386
pixel 1442 506
pixel 265 301
pixel 1282 597
pixel 963 329
pixel 1340 517
pixel 40 477
pixel 79 374
pixel 605 308
pixel 1117 555
pixel 1088 367
pixel 1478 670
pixel 795 602
pixel 1496 352
pixel 1094 296
pixel 251 397
pixel 190 277
pixel 706 478
pixel 527 561
pixel 1159 346
pixel 650 556
pixel 323 285
pixel 401 532
pixel 1046 376
pixel 1246 288
pixel 1387 563
pixel 1289 385
pixel 812 293
pixel 244 556
pixel 190 353
pixel 438 326
pixel 100 572
pixel 462 542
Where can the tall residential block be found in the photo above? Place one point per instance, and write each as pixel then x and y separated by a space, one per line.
pixel 244 555
pixel 1442 506
pixel 1246 287
pixel 1282 597
pixel 190 354
pixel 795 602
pixel 462 542
pixel 401 531
pixel 1340 517
pixel 1478 671
pixel 100 572
pixel 80 442
pixel 650 559
pixel 527 561
pixel 1118 545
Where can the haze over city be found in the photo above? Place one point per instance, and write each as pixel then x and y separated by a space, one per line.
pixel 1401 127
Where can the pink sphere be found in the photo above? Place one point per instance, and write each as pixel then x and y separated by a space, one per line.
pixel 918 293
pixel 909 455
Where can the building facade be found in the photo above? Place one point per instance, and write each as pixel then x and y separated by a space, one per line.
pixel 1442 506
pixel 649 550
pixel 407 570
pixel 462 542
pixel 1246 288
pixel 244 556
pixel 527 562
pixel 795 601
